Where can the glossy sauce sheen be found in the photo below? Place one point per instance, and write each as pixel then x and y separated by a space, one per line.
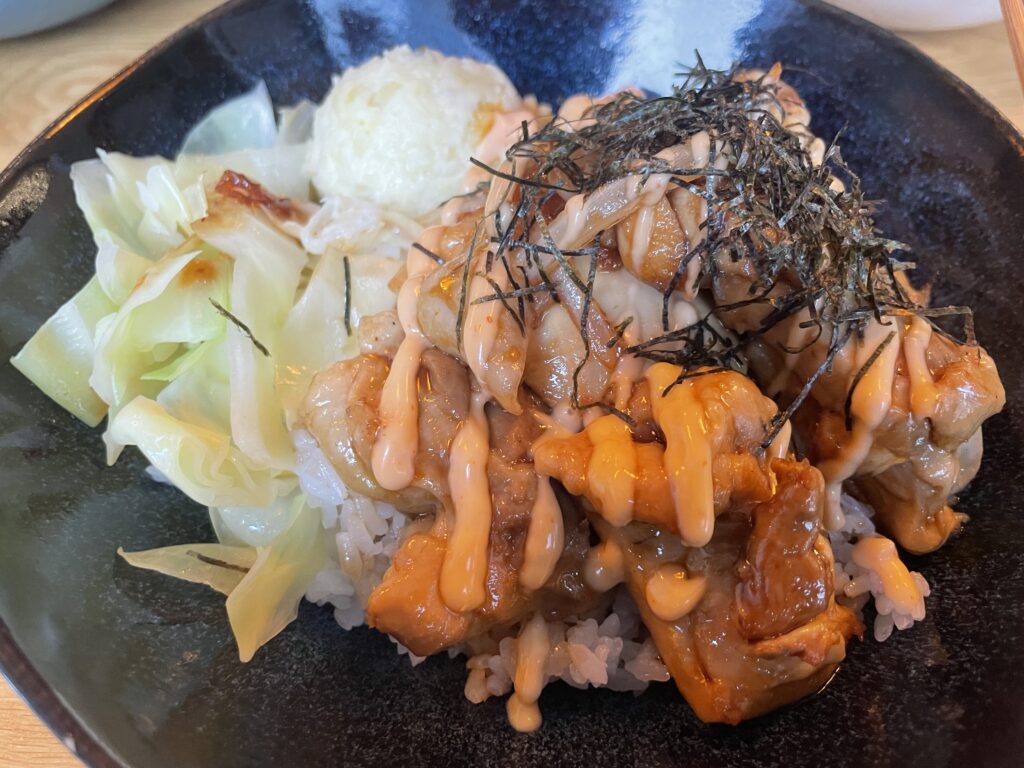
pixel 612 468
pixel 869 406
pixel 394 452
pixel 687 454
pixel 464 571
pixel 532 654
pixel 671 594
pixel 545 537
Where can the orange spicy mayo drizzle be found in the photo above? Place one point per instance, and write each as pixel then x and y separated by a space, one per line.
pixel 604 567
pixel 612 469
pixel 878 554
pixel 869 406
pixel 671 594
pixel 923 394
pixel 687 458
pixel 394 452
pixel 545 537
pixel 464 570
pixel 531 657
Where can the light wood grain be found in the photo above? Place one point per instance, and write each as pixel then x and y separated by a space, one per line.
pixel 25 741
pixel 1013 14
pixel 42 75
pixel 983 59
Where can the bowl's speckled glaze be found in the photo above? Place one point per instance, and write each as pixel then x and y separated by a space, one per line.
pixel 138 669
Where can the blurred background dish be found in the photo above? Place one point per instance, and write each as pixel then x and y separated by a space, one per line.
pixel 923 14
pixel 21 17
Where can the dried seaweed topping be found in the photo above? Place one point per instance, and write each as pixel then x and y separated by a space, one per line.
pixel 805 228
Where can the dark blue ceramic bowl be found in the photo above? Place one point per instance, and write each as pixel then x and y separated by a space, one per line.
pixel 133 668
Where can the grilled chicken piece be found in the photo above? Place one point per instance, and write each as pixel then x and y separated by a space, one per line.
pixel 925 447
pixel 554 352
pixel 341 412
pixel 653 243
pixel 408 604
pixel 380 334
pixel 736 415
pixel 909 465
pixel 437 313
pixel 767 630
pixel 916 464
pixel 786 576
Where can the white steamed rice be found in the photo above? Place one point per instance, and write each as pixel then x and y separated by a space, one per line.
pixel 855 585
pixel 610 652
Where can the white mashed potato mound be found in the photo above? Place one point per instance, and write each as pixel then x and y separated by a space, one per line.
pixel 399 130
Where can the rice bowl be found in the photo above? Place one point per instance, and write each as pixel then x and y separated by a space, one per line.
pixel 273 452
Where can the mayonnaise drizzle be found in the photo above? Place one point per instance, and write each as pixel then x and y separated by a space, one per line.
pixel 604 567
pixel 687 457
pixel 643 228
pixel 869 406
pixel 612 470
pixel 532 651
pixel 627 371
pixel 545 537
pixel 464 570
pixel 671 594
pixel 780 445
pixel 480 329
pixel 393 459
pixel 878 554
pixel 923 394
pixel 691 211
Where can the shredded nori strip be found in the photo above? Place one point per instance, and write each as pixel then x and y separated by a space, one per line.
pixel 584 322
pixel 242 327
pixel 428 253
pixel 348 295
pixel 514 294
pixel 504 302
pixel 481 187
pixel 214 561
pixel 620 329
pixel 612 411
pixel 807 230
pixel 460 319
pixel 785 415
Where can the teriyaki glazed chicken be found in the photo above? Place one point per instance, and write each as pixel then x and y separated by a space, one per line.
pixel 628 391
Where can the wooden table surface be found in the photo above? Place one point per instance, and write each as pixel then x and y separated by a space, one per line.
pixel 42 75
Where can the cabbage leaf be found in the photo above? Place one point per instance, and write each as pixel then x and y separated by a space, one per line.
pixel 244 122
pixel 314 335
pixel 201 462
pixel 267 268
pixel 169 307
pixel 215 565
pixel 267 599
pixel 59 357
